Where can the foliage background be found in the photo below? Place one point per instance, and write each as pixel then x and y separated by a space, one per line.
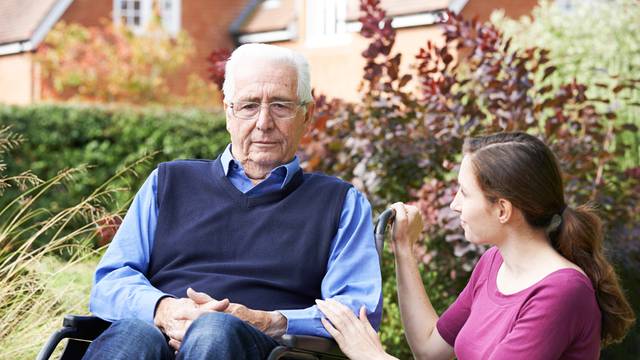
pixel 110 63
pixel 597 43
pixel 64 136
pixel 401 143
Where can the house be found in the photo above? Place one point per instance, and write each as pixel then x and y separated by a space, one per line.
pixel 25 23
pixel 326 31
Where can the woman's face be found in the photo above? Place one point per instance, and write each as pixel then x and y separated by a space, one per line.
pixel 478 216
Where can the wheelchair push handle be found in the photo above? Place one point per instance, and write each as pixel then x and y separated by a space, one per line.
pixel 384 220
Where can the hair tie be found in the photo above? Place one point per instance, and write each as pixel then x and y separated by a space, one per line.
pixel 564 207
pixel 555 222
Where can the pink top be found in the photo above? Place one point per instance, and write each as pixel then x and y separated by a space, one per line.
pixel 556 318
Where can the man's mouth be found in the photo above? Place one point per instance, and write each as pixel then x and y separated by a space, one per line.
pixel 264 143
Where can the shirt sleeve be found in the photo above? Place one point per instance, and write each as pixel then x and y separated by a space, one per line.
pixel 452 320
pixel 560 315
pixel 353 270
pixel 120 288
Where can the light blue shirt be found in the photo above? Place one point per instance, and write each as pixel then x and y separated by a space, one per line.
pixel 121 290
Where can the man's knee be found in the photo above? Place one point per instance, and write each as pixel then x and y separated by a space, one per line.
pixel 128 337
pixel 137 329
pixel 224 336
pixel 217 328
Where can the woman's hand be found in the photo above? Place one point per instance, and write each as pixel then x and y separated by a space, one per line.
pixel 406 229
pixel 356 337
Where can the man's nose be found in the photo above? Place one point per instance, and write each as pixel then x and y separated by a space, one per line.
pixel 264 121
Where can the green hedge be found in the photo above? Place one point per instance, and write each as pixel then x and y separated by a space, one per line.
pixel 63 136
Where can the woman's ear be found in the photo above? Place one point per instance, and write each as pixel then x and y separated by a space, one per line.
pixel 505 210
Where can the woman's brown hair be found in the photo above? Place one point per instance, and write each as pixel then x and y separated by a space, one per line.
pixel 520 168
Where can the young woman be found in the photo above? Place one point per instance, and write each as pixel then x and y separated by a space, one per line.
pixel 543 291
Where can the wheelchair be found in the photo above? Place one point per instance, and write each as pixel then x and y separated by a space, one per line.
pixel 81 330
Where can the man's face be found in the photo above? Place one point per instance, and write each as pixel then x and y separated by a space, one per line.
pixel 265 142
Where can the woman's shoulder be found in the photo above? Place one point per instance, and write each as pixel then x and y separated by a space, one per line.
pixel 485 263
pixel 564 290
pixel 488 258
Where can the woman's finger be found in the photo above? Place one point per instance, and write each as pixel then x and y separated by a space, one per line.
pixel 341 315
pixel 365 322
pixel 335 333
pixel 329 312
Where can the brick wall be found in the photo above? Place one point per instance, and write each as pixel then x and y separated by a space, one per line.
pixel 206 21
pixel 337 70
pixel 88 12
pixel 483 8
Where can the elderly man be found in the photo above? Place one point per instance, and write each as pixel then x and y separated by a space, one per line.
pixel 215 258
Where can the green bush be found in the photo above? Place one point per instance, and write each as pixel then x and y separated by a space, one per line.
pixel 106 138
pixel 595 42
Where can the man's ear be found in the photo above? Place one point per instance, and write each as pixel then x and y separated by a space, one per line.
pixel 308 116
pixel 226 113
pixel 505 210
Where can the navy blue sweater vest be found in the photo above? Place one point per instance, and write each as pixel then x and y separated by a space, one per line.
pixel 266 252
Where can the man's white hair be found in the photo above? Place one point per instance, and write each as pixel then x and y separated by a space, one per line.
pixel 270 53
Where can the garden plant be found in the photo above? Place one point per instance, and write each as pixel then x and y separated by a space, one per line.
pixel 402 140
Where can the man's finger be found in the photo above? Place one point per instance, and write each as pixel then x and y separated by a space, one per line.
pixel 198 297
pixel 175 344
pixel 215 305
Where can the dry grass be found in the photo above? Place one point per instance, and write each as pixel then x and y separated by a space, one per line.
pixel 35 288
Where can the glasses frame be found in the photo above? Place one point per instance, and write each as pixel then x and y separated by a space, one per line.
pixel 298 105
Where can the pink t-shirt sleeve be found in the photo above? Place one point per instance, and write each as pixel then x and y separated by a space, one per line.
pixel 452 320
pixel 556 316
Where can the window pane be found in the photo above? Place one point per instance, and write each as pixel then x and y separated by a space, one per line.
pixel 136 5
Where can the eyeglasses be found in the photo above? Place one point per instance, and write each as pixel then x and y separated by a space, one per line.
pixel 279 110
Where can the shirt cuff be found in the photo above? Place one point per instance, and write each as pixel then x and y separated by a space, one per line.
pixel 305 322
pixel 147 303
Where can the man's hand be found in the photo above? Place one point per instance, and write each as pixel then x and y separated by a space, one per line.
pixel 174 316
pixel 272 323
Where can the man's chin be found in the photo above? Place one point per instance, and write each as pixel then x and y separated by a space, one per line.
pixel 266 161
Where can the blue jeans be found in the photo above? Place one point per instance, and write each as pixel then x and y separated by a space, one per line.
pixel 211 336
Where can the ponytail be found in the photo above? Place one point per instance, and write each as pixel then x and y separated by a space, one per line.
pixel 579 239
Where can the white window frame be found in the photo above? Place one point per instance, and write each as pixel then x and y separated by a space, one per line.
pixel 170 20
pixel 143 13
pixel 326 22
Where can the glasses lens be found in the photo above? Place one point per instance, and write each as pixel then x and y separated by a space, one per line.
pixel 282 109
pixel 277 109
pixel 246 110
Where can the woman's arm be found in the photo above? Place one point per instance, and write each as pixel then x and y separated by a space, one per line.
pixel 418 315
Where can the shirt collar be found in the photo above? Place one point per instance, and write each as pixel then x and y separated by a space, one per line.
pixel 288 170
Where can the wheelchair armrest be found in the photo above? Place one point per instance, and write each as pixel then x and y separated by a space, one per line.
pixel 85 327
pixel 311 344
pixel 74 327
